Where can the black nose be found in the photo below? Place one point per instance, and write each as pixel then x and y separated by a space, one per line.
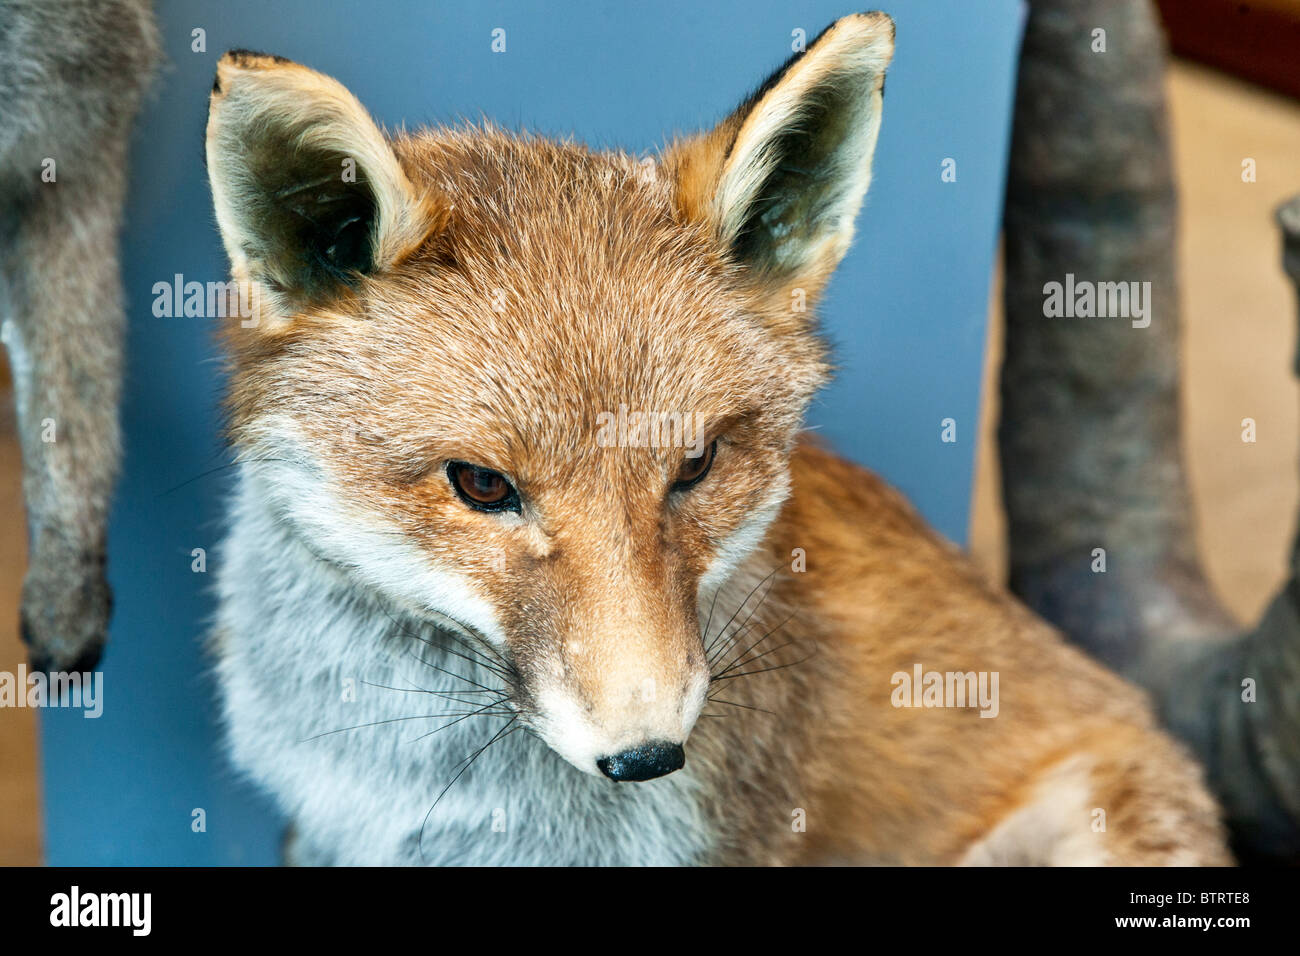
pixel 643 763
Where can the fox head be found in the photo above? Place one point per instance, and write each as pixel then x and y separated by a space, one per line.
pixel 544 395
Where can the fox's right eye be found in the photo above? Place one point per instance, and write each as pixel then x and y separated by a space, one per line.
pixel 482 488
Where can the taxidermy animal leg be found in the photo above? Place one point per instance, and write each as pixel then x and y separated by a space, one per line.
pixel 71 78
pixel 1102 541
pixel 1089 436
pixel 1240 704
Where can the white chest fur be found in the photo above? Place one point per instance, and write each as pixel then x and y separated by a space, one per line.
pixel 326 700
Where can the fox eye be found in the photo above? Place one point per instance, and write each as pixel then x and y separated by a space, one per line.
pixel 482 488
pixel 694 469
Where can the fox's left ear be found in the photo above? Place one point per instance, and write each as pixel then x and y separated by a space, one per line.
pixel 309 194
pixel 781 179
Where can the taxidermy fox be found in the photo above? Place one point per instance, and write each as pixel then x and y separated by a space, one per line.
pixel 519 430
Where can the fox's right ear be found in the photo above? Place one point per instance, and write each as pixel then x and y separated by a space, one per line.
pixel 308 193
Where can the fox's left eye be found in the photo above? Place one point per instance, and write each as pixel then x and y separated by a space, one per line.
pixel 482 488
pixel 694 469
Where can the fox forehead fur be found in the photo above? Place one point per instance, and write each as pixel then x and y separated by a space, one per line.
pixel 479 297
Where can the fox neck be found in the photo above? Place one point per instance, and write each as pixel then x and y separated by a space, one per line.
pixel 356 718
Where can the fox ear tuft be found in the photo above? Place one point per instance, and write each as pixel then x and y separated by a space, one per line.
pixel 781 179
pixel 308 193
